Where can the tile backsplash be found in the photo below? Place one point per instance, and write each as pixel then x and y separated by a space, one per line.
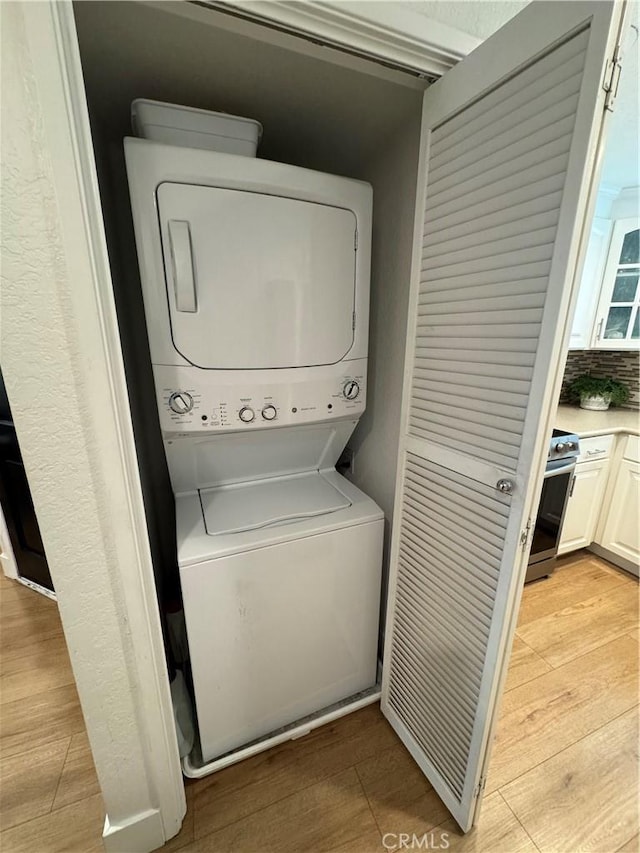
pixel 624 366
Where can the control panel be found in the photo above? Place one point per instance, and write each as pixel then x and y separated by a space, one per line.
pixel 192 400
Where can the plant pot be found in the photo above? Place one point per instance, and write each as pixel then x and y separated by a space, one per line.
pixel 595 404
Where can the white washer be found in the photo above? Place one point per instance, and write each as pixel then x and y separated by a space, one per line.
pixel 255 280
pixel 282 618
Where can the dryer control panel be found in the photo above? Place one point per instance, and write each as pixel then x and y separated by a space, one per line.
pixel 198 401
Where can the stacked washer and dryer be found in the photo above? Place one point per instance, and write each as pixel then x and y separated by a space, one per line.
pixel 255 278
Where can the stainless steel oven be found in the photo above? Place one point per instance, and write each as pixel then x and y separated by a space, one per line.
pixel 556 488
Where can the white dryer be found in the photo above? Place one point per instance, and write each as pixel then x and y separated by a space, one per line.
pixel 255 279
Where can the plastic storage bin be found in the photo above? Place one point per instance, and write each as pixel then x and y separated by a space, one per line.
pixel 192 128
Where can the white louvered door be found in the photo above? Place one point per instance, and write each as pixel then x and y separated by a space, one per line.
pixel 508 151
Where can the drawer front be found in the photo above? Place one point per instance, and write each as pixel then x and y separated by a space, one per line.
pixel 598 447
pixel 632 448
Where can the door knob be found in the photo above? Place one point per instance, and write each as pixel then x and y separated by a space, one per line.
pixel 505 486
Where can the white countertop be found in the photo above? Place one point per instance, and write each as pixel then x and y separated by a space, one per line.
pixel 585 423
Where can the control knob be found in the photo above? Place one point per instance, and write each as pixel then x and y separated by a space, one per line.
pixel 246 414
pixel 269 413
pixel 180 402
pixel 560 448
pixel 351 389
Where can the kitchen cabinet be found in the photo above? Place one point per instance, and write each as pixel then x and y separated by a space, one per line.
pixel 619 531
pixel 590 284
pixel 587 493
pixel 617 324
pixel 607 306
pixel 583 509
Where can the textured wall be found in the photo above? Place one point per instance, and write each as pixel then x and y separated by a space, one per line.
pixel 479 18
pixel 624 366
pixel 58 382
pixel 376 438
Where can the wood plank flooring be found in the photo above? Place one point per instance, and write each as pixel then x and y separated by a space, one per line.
pixel 563 776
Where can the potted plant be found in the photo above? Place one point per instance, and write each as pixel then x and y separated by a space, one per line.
pixel 597 393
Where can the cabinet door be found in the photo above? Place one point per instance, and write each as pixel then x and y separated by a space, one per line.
pixel 590 283
pixel 583 508
pixel 618 317
pixel 621 533
pixel 508 150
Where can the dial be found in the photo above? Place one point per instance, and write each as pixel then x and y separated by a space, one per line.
pixel 560 448
pixel 269 413
pixel 351 389
pixel 180 402
pixel 246 414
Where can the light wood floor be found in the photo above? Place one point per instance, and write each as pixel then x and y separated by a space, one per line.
pixel 563 776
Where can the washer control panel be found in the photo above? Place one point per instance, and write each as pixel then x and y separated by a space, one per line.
pixel 204 405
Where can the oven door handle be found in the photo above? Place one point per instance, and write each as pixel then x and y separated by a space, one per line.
pixel 560 466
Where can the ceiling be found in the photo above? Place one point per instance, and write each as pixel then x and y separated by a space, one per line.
pixel 479 18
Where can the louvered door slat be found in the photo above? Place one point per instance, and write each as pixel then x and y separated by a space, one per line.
pixel 440 621
pixel 475 400
pixel 461 353
pixel 463 378
pixel 508 438
pixel 457 501
pixel 528 180
pixel 468 343
pixel 487 417
pixel 505 170
pixel 501 248
pixel 444 654
pixel 415 508
pixel 459 724
pixel 465 222
pixel 511 99
pixel 523 158
pixel 476 615
pixel 487 236
pixel 558 119
pixel 459 441
pixel 424 535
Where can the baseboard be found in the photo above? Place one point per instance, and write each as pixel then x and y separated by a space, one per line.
pixel 616 559
pixel 142 833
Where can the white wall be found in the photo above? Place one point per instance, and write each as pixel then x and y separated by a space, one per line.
pixel 394 176
pixel 479 18
pixel 65 382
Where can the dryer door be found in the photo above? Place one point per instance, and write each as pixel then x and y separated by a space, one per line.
pixel 257 281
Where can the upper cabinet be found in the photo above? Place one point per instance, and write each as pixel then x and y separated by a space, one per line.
pixel 617 319
pixel 590 284
pixel 607 314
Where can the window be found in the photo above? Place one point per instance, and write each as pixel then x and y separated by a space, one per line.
pixel 618 320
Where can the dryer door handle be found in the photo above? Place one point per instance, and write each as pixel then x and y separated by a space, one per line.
pixel 184 282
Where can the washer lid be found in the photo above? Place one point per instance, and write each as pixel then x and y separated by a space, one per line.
pixel 264 503
pixel 257 281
